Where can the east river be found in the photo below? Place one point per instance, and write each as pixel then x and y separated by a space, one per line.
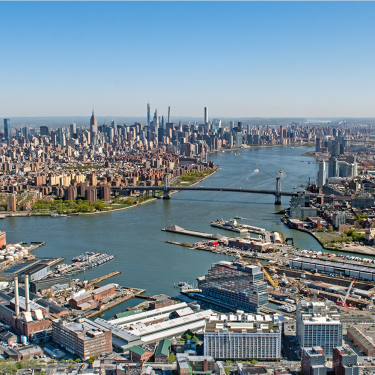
pixel 134 235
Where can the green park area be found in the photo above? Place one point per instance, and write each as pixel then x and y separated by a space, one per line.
pixel 332 239
pixel 191 178
pixel 80 205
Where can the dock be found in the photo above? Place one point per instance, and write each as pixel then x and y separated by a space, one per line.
pixel 105 277
pixel 233 226
pixel 117 301
pixel 187 232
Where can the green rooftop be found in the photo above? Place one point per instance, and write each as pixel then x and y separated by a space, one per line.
pixel 137 350
pixel 163 347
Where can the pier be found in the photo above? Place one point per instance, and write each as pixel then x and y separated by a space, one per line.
pixel 234 226
pixel 117 301
pixel 179 230
pixel 105 277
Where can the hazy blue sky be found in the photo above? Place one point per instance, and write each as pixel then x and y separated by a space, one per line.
pixel 237 58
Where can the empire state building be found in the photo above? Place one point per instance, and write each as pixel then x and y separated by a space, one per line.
pixel 93 124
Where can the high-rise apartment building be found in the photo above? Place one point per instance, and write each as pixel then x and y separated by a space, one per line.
pixel 242 336
pixel 313 361
pixel 235 284
pixel 332 167
pixel 345 361
pixel 318 324
pixel 6 128
pixel 321 174
pixel 12 203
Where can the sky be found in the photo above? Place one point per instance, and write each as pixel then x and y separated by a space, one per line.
pixel 239 59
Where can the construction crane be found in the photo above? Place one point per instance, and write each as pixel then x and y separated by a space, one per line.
pixel 273 282
pixel 342 301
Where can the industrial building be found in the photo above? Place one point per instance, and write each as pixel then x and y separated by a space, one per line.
pixel 345 361
pixel 93 297
pixel 318 324
pixel 46 284
pixel 236 284
pixel 154 325
pixel 313 361
pixel 363 338
pixel 83 338
pixel 194 364
pixel 26 317
pixel 243 336
pixel 344 269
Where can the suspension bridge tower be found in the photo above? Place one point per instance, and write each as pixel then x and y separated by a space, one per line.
pixel 166 187
pixel 278 191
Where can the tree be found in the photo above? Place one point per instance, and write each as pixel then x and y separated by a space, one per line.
pixel 254 361
pixel 78 360
pixel 49 295
pixel 92 358
pixel 171 358
pixel 226 369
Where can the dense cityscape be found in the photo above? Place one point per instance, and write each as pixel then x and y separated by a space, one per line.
pixel 187 188
pixel 273 307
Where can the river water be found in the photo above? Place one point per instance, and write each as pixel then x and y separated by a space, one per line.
pixel 134 236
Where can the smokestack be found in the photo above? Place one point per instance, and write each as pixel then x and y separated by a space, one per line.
pixel 27 293
pixel 16 296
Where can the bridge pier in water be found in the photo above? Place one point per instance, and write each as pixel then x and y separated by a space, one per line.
pixel 278 192
pixel 166 187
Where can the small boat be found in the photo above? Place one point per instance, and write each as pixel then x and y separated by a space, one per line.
pixel 256 170
pixel 238 217
pixel 281 172
pixel 237 153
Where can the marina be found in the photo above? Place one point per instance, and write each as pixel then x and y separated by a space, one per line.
pixel 83 262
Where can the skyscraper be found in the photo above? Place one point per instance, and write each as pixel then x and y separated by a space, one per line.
pixel 73 129
pixel 155 121
pixel 148 114
pixel 114 126
pixel 93 123
pixel 6 128
pixel 205 115
pixel 332 167
pixel 235 284
pixel 321 174
pixel 169 115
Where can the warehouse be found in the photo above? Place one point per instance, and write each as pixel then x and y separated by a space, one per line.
pixel 140 334
pixel 47 283
pixel 343 269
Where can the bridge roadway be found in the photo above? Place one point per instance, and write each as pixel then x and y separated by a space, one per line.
pixel 202 188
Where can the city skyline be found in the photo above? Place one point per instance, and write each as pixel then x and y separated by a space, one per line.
pixel 276 60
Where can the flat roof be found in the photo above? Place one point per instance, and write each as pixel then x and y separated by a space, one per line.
pixel 146 314
pixel 347 266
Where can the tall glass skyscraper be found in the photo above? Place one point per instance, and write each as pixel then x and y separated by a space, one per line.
pixel 6 128
pixel 236 284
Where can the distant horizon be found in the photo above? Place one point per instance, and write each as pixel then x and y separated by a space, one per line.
pixel 55 121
